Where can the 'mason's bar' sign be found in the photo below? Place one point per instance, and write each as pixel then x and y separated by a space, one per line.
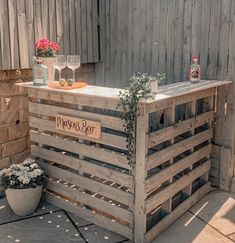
pixel 78 126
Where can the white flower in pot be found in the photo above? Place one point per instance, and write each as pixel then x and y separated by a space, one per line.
pixel 23 184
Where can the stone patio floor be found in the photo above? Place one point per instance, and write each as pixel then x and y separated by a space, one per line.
pixel 211 220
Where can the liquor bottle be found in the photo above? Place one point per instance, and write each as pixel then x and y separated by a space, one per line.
pixel 40 73
pixel 195 71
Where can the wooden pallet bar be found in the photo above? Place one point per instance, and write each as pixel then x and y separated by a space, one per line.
pixel 90 175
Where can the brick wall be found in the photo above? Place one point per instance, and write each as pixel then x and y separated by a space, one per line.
pixel 14 128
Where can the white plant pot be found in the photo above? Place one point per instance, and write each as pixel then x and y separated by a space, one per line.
pixel 24 201
pixel 49 62
pixel 154 87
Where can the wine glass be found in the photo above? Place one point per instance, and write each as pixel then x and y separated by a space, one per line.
pixel 60 63
pixel 73 62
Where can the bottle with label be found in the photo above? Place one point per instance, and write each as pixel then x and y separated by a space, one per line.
pixel 40 73
pixel 195 71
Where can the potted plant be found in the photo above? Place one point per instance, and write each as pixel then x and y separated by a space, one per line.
pixel 46 50
pixel 23 184
pixel 141 86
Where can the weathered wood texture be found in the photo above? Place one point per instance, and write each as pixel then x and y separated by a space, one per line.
pixel 92 178
pixel 162 36
pixel 72 23
pixel 14 124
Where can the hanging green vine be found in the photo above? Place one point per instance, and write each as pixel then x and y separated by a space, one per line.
pixel 139 88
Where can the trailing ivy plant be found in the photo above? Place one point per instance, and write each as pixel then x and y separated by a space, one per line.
pixel 139 88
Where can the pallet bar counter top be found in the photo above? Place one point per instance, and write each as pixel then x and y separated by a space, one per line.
pixel 87 168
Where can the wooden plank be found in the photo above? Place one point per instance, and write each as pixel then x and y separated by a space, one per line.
pixel 107 41
pixel 72 28
pixel 106 138
pixel 30 28
pixel 136 36
pixel 139 176
pixel 71 98
pixel 52 111
pixel 94 23
pixel 149 35
pixel 88 215
pixel 45 20
pixel 180 210
pixel 155 36
pixel 59 25
pixel 179 99
pixel 220 115
pixel 178 43
pixel 162 36
pixel 125 34
pixel 101 154
pixel 196 26
pixel 52 20
pixel 66 34
pixel 142 35
pixel 103 28
pixel 167 173
pixel 23 43
pixel 84 48
pixel 37 20
pixel 187 31
pixel 224 39
pixel 166 154
pixel 13 32
pixel 214 38
pixel 87 183
pixel 170 39
pixel 167 133
pixel 83 166
pixel 78 31
pixel 160 197
pixel 89 200
pixel 89 30
pixel 204 42
pixel 5 35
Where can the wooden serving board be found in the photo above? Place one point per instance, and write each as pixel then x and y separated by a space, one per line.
pixel 76 85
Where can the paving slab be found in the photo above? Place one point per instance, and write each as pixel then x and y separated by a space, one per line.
pixel 7 215
pixel 97 234
pixel 190 229
pixel 80 222
pixel 50 228
pixel 218 210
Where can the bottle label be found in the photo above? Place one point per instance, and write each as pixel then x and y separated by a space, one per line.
pixel 38 80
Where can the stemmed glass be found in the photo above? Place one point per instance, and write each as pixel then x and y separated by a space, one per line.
pixel 73 62
pixel 60 63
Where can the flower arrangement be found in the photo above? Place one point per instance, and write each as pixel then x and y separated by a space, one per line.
pixel 46 48
pixel 21 176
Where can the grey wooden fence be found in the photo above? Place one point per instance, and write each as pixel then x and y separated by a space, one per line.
pixel 72 23
pixel 163 35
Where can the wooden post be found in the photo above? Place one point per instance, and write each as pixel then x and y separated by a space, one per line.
pixel 139 174
pixel 224 134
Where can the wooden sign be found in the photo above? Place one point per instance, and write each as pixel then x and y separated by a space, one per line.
pixel 78 126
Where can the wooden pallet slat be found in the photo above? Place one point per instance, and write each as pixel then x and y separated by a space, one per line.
pixel 82 166
pixel 158 198
pixel 84 182
pixel 178 148
pixel 106 138
pixel 52 110
pixel 179 166
pixel 89 215
pixel 92 201
pixel 105 155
